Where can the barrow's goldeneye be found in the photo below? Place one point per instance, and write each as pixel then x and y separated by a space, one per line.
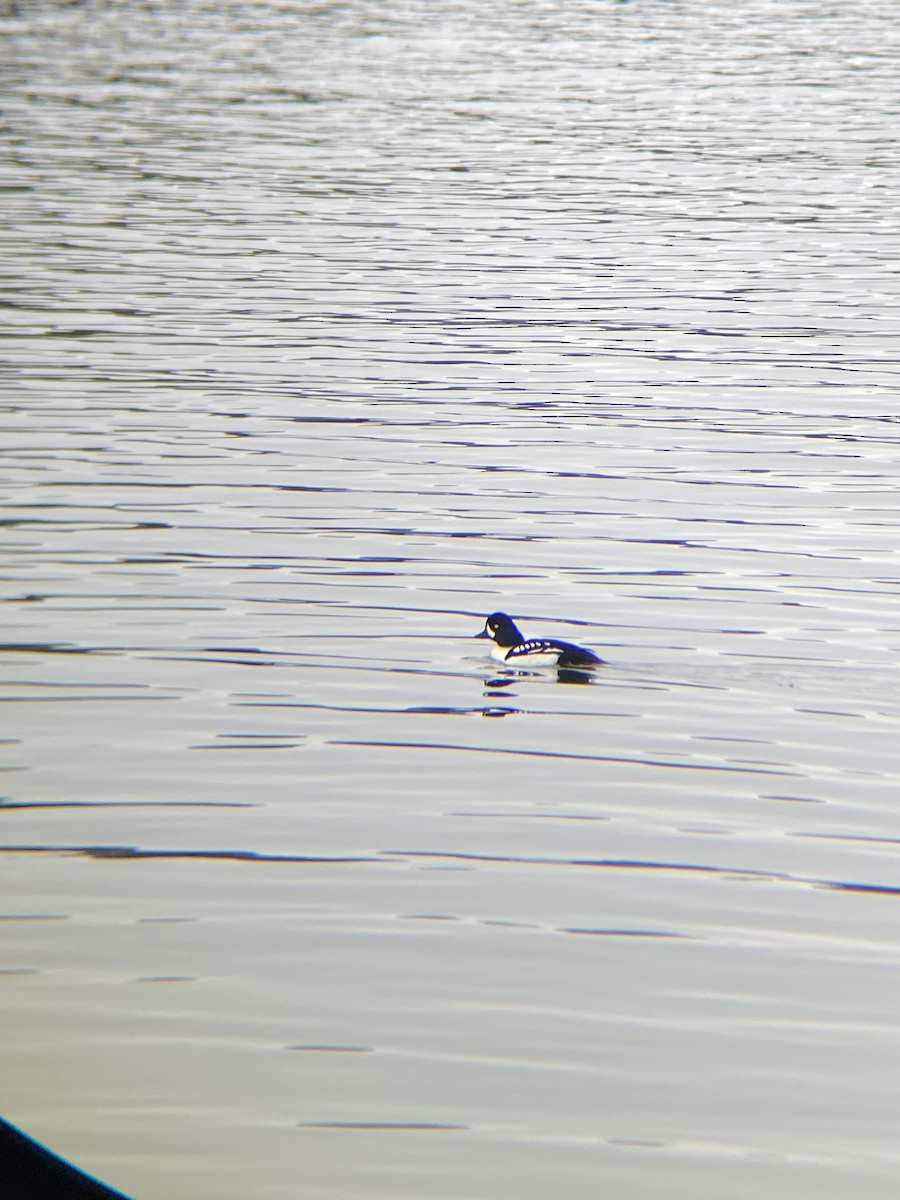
pixel 510 647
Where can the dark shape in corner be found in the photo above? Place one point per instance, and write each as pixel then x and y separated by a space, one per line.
pixel 30 1172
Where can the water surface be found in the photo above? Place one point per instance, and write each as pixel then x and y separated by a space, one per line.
pixel 330 329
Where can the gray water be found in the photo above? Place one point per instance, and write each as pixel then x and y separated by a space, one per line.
pixel 330 329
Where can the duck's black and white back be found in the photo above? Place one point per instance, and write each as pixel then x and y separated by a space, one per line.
pixel 509 646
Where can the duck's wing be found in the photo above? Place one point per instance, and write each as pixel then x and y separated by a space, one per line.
pixel 534 648
pixel 577 656
pixel 565 654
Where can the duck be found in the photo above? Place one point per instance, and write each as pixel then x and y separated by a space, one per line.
pixel 509 646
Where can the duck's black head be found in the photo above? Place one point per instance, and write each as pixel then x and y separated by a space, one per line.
pixel 501 629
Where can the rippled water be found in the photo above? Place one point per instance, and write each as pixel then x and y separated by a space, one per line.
pixel 330 329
